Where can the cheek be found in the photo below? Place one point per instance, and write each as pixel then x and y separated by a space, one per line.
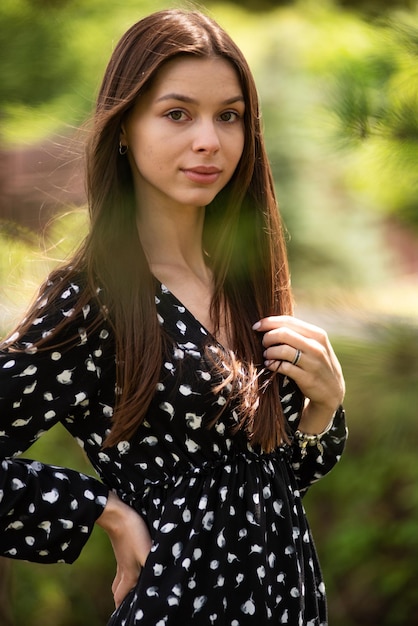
pixel 238 153
pixel 142 158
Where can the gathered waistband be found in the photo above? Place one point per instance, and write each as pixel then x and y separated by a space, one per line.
pixel 183 472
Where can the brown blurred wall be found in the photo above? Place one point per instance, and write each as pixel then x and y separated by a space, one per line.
pixel 38 180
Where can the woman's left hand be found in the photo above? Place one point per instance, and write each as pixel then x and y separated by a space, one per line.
pixel 304 353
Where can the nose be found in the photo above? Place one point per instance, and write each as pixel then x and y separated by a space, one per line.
pixel 206 137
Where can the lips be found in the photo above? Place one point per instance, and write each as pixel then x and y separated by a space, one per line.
pixel 202 174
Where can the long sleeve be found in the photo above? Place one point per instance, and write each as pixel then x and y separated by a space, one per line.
pixel 46 513
pixel 319 460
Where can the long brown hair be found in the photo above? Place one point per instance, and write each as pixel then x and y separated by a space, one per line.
pixel 242 235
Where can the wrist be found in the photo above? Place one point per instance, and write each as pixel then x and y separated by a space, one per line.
pixel 316 418
pixel 305 440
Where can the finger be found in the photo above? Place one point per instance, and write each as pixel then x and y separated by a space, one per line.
pixel 126 584
pixel 116 582
pixel 287 341
pixel 283 344
pixel 276 322
pixel 283 352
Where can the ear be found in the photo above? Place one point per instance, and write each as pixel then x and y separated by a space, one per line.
pixel 122 135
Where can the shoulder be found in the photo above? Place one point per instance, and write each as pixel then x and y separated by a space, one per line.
pixel 66 307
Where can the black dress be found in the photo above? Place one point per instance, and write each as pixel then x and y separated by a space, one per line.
pixel 231 544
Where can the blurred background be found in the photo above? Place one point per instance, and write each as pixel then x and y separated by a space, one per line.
pixel 338 83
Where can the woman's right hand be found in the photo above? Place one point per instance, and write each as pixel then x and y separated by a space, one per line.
pixel 131 544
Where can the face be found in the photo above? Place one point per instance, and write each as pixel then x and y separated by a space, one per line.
pixel 186 134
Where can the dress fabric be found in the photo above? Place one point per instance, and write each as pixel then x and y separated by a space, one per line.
pixel 231 543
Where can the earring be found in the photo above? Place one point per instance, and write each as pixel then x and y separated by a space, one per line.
pixel 122 149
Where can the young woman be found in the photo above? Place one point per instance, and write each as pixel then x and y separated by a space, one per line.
pixel 168 349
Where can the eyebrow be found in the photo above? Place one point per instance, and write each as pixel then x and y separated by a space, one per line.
pixel 188 99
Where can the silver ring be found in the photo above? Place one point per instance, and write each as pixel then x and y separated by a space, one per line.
pixel 297 357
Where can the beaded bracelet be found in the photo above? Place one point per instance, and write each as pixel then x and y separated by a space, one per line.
pixel 304 439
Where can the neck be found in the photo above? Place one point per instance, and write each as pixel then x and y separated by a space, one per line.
pixel 174 241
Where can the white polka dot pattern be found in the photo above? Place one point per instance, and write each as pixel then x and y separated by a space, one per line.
pixel 231 544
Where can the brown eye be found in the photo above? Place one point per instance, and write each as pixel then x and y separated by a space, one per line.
pixel 176 115
pixel 229 116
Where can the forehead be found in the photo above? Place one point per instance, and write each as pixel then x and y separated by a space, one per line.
pixel 195 73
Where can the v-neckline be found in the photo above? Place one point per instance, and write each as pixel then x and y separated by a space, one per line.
pixel 167 292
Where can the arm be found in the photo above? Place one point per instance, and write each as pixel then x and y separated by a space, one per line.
pixel 303 353
pixel 315 461
pixel 131 543
pixel 46 513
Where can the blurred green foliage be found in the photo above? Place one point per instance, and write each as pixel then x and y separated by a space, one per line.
pixel 26 260
pixel 53 54
pixel 338 96
pixel 364 514
pixel 366 7
pixel 375 104
pixel 30 78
